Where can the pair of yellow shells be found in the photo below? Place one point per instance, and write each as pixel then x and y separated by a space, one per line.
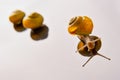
pixel 33 21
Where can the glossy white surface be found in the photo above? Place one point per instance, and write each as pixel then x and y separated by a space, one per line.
pixel 54 58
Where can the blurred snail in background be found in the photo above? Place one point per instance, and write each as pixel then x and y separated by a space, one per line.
pixel 89 45
pixel 16 18
pixel 34 22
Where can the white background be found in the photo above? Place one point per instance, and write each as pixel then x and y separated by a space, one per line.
pixel 54 58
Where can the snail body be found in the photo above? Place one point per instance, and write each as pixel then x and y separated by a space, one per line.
pixel 89 47
pixel 34 21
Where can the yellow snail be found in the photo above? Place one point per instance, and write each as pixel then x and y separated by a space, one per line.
pixel 89 45
pixel 16 18
pixel 34 21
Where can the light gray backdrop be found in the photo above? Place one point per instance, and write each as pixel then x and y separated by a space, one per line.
pixel 54 58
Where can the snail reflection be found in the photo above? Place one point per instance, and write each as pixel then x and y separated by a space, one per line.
pixel 34 21
pixel 89 45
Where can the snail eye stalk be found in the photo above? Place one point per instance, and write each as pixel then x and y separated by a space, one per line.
pixel 87 61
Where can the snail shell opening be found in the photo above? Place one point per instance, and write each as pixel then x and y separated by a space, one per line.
pixel 72 20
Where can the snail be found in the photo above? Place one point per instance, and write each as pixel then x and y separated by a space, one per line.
pixel 88 46
pixel 16 18
pixel 34 22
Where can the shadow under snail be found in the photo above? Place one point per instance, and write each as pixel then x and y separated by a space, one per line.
pixel 89 45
